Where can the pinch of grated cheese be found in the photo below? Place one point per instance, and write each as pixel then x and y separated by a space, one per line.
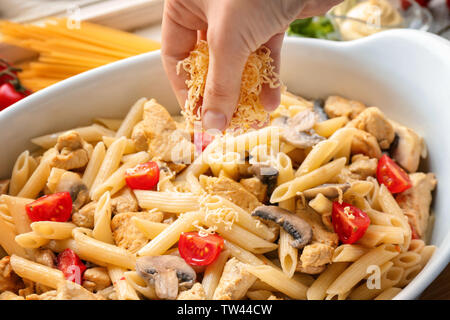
pixel 258 71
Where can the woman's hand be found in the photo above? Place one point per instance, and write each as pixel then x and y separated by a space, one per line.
pixel 234 29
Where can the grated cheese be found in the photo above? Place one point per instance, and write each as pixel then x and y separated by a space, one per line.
pixel 258 71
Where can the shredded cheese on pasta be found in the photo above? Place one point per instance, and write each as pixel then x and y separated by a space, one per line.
pixel 258 71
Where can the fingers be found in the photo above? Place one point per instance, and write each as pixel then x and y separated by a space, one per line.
pixel 317 8
pixel 222 85
pixel 270 97
pixel 178 40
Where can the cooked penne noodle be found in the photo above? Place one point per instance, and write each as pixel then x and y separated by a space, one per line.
pixel 23 169
pixel 31 240
pixel 91 133
pixel 109 123
pixel 7 241
pixel 94 164
pixel 318 289
pixel 132 118
pixel 357 271
pixel 102 220
pixel 53 230
pixel 149 228
pixel 348 253
pixel 407 259
pixel 123 289
pixel 328 127
pixel 279 280
pixel 175 202
pixel 388 294
pixel 37 181
pixel 242 254
pixel 376 235
pixel 140 285
pixel 317 157
pixel 212 274
pixel 258 294
pixel 130 147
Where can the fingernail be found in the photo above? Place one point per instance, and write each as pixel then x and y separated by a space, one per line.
pixel 213 119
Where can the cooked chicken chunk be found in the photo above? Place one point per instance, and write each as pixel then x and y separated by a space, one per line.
pixel 373 121
pixel 320 232
pixel 363 167
pixel 9 281
pixel 195 293
pixel 95 279
pixel 158 134
pixel 416 201
pixel 8 295
pixel 336 106
pixel 231 190
pixel 49 295
pixel 124 201
pixel 316 255
pixel 365 143
pixel 126 235
pixel 72 152
pixel 409 148
pixel 235 281
pixel 255 187
pixel 69 290
pixel 45 257
pixel 85 216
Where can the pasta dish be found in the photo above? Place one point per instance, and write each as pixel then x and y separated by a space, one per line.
pixel 325 202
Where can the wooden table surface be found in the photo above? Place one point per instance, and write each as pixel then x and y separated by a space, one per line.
pixel 440 288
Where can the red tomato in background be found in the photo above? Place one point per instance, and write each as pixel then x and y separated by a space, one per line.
pixel 9 95
pixel 53 207
pixel 144 176
pixel 7 73
pixel 407 3
pixel 349 222
pixel 71 266
pixel 199 250
pixel 448 4
pixel 392 176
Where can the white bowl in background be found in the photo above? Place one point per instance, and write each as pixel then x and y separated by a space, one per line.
pixel 406 73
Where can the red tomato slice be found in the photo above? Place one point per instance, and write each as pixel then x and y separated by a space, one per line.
pixel 71 266
pixel 392 176
pixel 199 250
pixel 202 140
pixel 144 176
pixel 53 207
pixel 349 222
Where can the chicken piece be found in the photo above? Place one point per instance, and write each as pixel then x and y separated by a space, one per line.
pixel 365 143
pixel 409 149
pixel 234 282
pixel 195 293
pixel 316 255
pixel 231 190
pixel 45 257
pixel 72 152
pixel 4 185
pixel 49 295
pixel 95 279
pixel 255 187
pixel 416 201
pixel 336 106
pixel 124 201
pixel 320 232
pixel 176 167
pixel 8 295
pixel 9 280
pixel 85 216
pixel 69 290
pixel 310 269
pixel 158 134
pixel 363 167
pixel 126 235
pixel 373 121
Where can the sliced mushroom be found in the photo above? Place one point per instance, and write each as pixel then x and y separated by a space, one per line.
pixel 267 174
pixel 302 121
pixel 72 183
pixel 301 139
pixel 320 111
pixel 167 273
pixel 298 228
pixel 329 190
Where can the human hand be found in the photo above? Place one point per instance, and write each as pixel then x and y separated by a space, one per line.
pixel 234 29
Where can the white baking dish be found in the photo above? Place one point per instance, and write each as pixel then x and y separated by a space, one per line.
pixel 405 73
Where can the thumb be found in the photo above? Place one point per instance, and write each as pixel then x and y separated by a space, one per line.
pixel 222 86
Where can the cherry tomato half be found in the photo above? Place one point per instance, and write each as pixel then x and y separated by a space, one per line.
pixel 144 176
pixel 54 207
pixel 407 3
pixel 199 250
pixel 392 176
pixel 9 95
pixel 349 222
pixel 71 266
pixel 202 140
